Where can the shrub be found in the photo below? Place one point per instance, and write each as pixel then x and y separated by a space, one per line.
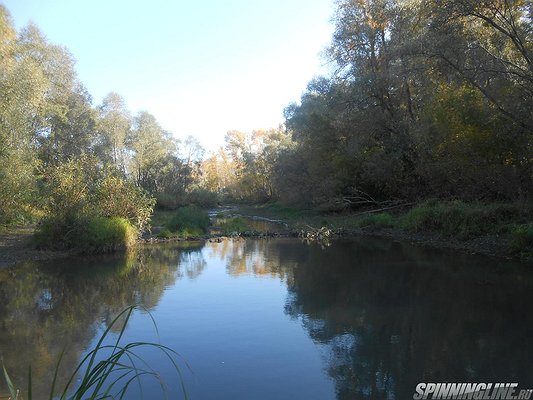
pixel 165 233
pixel 464 221
pixel 203 198
pixel 167 201
pixel 90 209
pixel 115 196
pixel 189 221
pixel 88 235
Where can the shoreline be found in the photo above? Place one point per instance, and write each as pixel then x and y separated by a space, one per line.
pixel 16 247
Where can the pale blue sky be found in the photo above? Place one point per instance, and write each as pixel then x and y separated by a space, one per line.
pixel 201 67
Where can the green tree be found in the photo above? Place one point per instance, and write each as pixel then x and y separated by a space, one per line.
pixel 113 127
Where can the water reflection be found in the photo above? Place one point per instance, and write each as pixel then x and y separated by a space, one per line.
pixel 386 315
pixel 46 308
pixel 393 315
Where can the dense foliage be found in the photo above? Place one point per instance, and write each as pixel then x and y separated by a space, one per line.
pixel 427 99
pixel 69 163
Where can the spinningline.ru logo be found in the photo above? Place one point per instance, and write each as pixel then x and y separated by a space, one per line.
pixel 475 391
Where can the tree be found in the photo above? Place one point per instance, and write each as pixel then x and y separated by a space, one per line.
pixel 113 125
pixel 149 145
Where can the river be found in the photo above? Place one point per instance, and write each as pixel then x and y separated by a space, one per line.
pixel 362 318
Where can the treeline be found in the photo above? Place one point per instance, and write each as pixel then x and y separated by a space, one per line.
pixel 61 157
pixel 426 99
pixel 73 165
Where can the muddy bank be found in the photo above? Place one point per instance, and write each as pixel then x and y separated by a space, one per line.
pixel 16 246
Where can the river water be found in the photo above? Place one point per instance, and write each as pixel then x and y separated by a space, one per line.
pixel 278 319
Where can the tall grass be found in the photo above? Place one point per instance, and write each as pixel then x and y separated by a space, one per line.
pixel 87 235
pixel 462 220
pixel 235 224
pixel 110 377
pixel 188 221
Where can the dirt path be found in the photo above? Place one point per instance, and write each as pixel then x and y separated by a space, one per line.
pixel 16 247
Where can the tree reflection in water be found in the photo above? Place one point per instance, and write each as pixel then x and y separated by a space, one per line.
pixel 45 308
pixel 387 315
pixel 392 314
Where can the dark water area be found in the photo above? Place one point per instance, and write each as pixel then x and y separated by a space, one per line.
pixel 279 319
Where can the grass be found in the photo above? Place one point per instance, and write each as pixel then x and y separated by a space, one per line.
pixel 188 221
pixel 112 376
pixel 88 235
pixel 510 223
pixel 378 220
pixel 235 224
pixel 161 217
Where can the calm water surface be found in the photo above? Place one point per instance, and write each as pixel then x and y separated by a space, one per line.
pixel 280 319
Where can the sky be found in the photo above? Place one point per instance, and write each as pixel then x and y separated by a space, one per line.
pixel 201 67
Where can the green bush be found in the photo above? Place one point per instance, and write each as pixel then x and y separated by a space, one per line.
pixel 202 198
pixel 117 197
pixel 90 209
pixel 464 221
pixel 88 235
pixel 167 201
pixel 189 221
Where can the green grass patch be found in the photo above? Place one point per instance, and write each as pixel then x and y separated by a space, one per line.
pixel 89 235
pixel 464 221
pixel 235 224
pixel 277 211
pixel 188 221
pixel 378 220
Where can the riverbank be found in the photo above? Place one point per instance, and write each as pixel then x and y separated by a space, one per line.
pixel 501 230
pixel 16 246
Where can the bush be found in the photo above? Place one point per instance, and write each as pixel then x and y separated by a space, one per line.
pixel 167 201
pixel 165 234
pixel 89 235
pixel 90 209
pixel 203 198
pixel 115 196
pixel 189 221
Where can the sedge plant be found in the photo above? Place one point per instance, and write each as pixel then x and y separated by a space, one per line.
pixel 112 376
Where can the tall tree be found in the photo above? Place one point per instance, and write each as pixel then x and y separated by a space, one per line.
pixel 114 123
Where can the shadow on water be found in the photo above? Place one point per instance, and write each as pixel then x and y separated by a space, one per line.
pixel 386 314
